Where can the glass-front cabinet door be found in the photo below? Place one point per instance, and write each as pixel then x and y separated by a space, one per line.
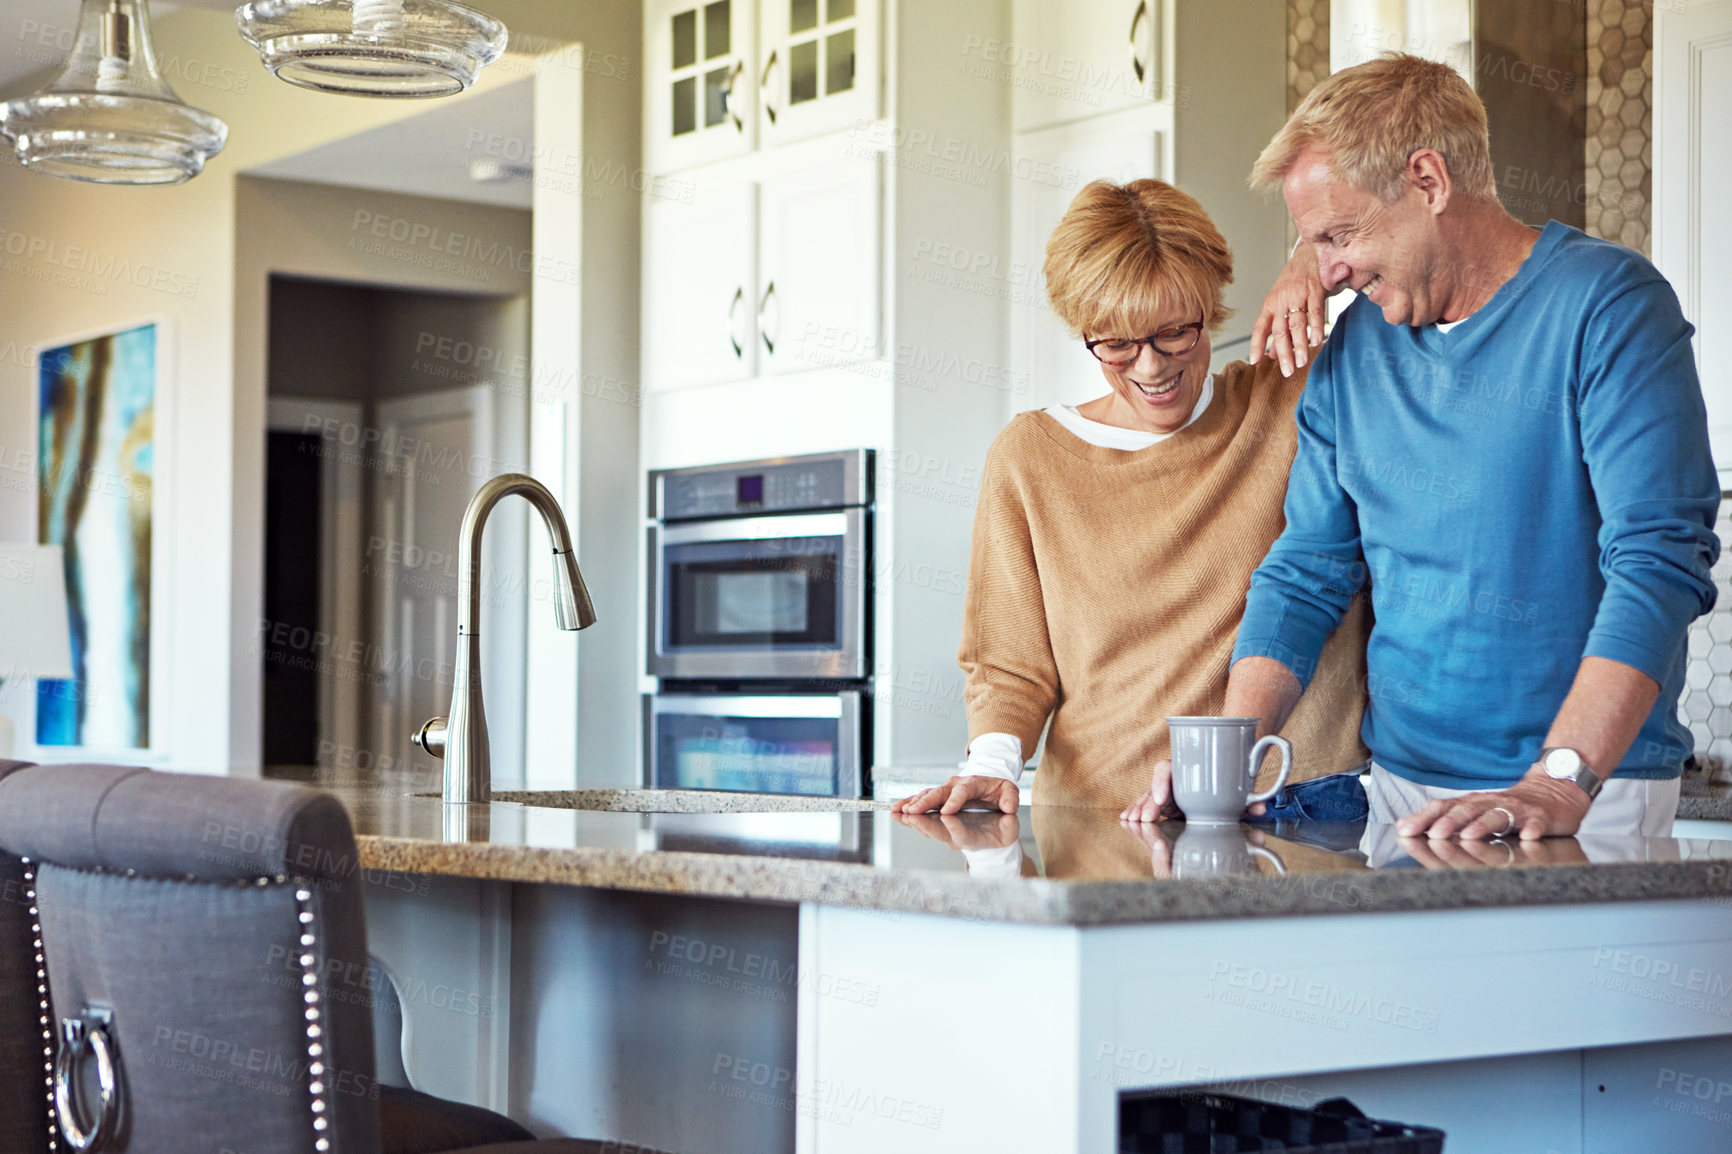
pixel 817 66
pixel 698 99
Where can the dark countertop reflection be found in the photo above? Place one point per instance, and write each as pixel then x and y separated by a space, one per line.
pixel 1045 864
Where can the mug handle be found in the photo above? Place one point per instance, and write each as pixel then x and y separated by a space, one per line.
pixel 1286 748
pixel 1271 857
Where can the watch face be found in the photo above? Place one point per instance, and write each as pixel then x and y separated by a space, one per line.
pixel 1563 763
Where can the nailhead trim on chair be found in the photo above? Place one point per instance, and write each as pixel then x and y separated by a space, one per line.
pixel 42 1000
pixel 315 1032
pixel 309 980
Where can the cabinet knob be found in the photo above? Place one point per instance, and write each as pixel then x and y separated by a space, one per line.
pixel 730 92
pixel 734 307
pixel 764 88
pixel 1138 68
pixel 763 329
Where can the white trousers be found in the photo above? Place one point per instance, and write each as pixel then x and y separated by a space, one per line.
pixel 1626 807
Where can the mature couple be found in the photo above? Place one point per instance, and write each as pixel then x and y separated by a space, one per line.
pixel 1507 469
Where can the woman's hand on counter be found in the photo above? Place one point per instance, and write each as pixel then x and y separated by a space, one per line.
pixel 972 831
pixel 982 791
pixel 1160 849
pixel 1157 804
pixel 1291 319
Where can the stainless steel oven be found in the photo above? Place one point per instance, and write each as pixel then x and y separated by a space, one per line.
pixel 796 743
pixel 761 569
pixel 760 626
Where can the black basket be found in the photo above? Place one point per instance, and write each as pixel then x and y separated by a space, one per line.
pixel 1199 1122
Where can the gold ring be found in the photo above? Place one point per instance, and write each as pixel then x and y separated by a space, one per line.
pixel 1290 312
pixel 1509 824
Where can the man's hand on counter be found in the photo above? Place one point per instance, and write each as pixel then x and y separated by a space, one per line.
pixel 981 791
pixel 1469 855
pixel 1536 806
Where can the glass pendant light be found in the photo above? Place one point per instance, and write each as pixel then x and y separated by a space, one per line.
pixel 110 117
pixel 372 47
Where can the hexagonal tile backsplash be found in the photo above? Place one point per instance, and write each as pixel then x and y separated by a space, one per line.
pixel 1706 705
pixel 1619 148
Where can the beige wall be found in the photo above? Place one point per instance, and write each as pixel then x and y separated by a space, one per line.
pixel 339 234
pixel 180 244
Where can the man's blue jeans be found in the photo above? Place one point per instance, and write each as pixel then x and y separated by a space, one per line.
pixel 1327 812
pixel 1336 798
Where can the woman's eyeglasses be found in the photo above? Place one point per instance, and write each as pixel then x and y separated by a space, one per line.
pixel 1117 352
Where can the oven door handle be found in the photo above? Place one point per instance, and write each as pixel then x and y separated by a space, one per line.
pixel 757 528
pixel 821 705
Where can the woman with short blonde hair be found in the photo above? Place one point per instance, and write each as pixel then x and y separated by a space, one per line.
pixel 1114 541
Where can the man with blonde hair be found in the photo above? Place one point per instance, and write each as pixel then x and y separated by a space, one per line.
pixel 1514 456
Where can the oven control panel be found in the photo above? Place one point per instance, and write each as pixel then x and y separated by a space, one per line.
pixel 781 485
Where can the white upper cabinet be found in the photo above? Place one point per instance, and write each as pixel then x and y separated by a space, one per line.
pixel 819 238
pixel 1070 59
pixel 700 287
pixel 699 82
pixel 818 66
pixel 1119 149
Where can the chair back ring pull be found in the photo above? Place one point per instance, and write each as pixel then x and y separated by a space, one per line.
pixel 88 1033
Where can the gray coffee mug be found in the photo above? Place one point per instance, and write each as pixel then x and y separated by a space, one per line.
pixel 1215 763
pixel 1209 850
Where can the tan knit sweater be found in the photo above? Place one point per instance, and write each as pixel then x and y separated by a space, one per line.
pixel 1105 588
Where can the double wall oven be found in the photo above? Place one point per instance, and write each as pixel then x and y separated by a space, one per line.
pixel 760 626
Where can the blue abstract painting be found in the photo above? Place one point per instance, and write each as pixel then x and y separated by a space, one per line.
pixel 95 462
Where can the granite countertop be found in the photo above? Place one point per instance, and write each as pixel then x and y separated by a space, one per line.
pixel 1044 865
pixel 1703 801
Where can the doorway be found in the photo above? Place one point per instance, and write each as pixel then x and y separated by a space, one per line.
pixel 381 428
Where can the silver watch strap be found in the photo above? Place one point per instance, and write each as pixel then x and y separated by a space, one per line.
pixel 1584 776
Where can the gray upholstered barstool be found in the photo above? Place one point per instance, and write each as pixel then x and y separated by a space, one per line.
pixel 187 959
pixel 23 1117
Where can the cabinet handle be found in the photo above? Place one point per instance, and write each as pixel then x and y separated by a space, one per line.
pixel 1138 68
pixel 764 87
pixel 763 329
pixel 729 93
pixel 734 307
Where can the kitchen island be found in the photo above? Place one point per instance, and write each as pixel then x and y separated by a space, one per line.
pixel 700 972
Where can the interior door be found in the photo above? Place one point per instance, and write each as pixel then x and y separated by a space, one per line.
pixel 819 288
pixel 437 449
pixel 699 287
pixel 1059 370
pixel 1692 169
pixel 339 535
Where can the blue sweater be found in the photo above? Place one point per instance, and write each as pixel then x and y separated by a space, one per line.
pixel 1528 489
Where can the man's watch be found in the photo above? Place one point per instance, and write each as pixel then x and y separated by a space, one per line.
pixel 1565 764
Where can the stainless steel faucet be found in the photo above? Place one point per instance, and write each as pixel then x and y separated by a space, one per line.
pixel 461 738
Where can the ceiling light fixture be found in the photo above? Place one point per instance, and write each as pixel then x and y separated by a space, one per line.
pixel 110 117
pixel 408 48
